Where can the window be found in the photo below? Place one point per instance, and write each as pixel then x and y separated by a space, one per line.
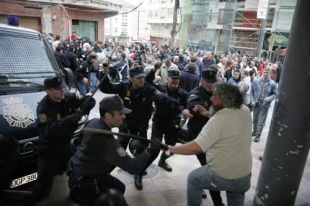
pixel 75 22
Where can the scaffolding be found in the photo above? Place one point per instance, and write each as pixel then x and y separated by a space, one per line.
pixel 232 26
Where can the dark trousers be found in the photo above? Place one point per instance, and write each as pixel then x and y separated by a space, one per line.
pixel 137 130
pixel 160 130
pixel 86 190
pixel 48 167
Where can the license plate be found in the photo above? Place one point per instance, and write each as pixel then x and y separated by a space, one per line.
pixel 24 180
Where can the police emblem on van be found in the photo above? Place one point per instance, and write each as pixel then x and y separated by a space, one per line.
pixel 17 113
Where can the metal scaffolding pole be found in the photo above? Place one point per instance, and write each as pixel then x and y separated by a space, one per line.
pixel 288 141
pixel 263 23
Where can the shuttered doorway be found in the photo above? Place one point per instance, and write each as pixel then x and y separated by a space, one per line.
pixel 85 29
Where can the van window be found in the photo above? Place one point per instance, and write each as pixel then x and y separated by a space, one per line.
pixel 25 61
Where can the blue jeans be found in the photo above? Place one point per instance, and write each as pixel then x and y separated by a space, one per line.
pixel 83 88
pixel 204 178
pixel 260 112
pixel 93 81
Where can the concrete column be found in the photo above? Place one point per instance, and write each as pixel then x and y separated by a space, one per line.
pixel 288 141
pixel 46 20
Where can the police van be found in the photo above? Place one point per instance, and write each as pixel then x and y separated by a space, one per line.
pixel 26 59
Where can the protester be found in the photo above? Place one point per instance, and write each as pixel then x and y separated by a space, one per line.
pixel 227 144
pixel 263 92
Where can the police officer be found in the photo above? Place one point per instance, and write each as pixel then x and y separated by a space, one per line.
pixel 72 57
pixel 199 111
pixel 58 115
pixel 139 97
pixel 98 153
pixel 86 74
pixel 170 101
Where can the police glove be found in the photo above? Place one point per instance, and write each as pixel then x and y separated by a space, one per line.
pixel 71 119
pixel 88 104
pixel 157 145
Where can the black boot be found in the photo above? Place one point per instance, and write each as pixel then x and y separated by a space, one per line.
pixel 138 182
pixel 257 138
pixel 164 165
pixel 204 195
pixel 162 162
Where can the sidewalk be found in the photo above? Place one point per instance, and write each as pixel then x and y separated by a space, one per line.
pixel 163 188
pixel 169 189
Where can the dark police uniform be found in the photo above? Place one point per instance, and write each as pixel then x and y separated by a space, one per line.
pixel 57 123
pixel 84 70
pixel 168 107
pixel 139 100
pixel 94 158
pixel 199 96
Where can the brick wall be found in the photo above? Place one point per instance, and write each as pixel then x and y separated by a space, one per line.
pixel 15 9
pixel 61 22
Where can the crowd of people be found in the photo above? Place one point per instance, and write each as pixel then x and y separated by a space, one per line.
pixel 200 100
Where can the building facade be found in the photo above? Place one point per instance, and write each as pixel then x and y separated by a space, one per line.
pixel 60 17
pixel 131 24
pixel 160 19
pixel 223 26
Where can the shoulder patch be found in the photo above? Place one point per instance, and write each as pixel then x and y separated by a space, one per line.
pixel 121 152
pixel 43 118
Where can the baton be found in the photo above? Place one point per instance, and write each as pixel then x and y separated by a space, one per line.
pixel 101 131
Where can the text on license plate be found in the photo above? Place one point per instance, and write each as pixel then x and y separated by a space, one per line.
pixel 24 180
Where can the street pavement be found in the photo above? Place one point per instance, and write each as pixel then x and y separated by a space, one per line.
pixel 163 188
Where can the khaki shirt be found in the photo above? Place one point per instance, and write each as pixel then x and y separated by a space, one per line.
pixel 226 139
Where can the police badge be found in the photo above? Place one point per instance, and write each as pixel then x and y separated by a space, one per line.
pixel 17 113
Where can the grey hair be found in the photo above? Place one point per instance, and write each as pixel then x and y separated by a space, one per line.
pixel 229 94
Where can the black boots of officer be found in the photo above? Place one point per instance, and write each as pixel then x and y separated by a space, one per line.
pixel 138 182
pixel 162 162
